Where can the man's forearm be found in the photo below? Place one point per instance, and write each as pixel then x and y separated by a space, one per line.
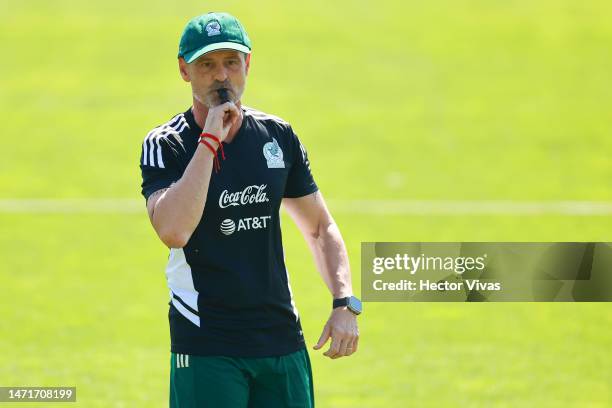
pixel 331 259
pixel 178 211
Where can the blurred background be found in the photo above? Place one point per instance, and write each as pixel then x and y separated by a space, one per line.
pixel 397 102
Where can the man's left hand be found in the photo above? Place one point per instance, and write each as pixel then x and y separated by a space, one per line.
pixel 342 328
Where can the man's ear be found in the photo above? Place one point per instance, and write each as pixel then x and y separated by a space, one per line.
pixel 183 69
pixel 247 62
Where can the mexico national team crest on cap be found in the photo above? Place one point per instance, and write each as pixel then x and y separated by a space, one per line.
pixel 274 155
pixel 213 28
pixel 211 32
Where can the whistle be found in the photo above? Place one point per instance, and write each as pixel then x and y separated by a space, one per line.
pixel 223 95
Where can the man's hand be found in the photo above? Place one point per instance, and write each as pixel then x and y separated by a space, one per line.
pixel 342 328
pixel 220 119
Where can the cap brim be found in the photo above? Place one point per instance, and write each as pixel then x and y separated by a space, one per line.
pixel 191 56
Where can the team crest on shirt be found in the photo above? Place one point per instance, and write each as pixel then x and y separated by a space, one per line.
pixel 213 28
pixel 274 155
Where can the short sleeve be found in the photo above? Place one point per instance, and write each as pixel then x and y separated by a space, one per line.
pixel 300 181
pixel 158 163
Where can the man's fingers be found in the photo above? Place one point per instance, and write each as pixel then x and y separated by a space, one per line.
pixel 230 114
pixel 341 348
pixel 352 347
pixel 323 338
pixel 348 350
pixel 230 106
pixel 334 348
pixel 230 110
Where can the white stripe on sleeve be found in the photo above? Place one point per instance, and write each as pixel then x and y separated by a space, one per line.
pixel 160 160
pixel 151 147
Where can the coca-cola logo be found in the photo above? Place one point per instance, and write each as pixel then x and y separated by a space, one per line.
pixel 254 194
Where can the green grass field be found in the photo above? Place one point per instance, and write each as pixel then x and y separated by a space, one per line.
pixel 438 100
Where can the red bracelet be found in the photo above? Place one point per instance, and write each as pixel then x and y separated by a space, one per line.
pixel 210 136
pixel 205 142
pixel 209 146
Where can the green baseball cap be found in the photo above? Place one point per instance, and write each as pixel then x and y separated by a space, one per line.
pixel 211 32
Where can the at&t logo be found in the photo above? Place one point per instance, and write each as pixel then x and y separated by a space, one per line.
pixel 228 226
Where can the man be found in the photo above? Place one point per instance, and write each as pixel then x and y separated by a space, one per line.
pixel 214 178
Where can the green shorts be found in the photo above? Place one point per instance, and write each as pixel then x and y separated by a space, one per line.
pixel 234 382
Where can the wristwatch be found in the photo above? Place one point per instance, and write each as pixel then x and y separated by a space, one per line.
pixel 351 302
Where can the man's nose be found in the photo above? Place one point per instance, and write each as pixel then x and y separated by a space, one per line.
pixel 221 74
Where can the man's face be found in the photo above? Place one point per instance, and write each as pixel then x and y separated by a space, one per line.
pixel 217 69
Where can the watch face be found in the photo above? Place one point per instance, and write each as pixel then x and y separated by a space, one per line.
pixel 354 304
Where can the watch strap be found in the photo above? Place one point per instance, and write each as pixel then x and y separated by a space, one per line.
pixel 341 302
